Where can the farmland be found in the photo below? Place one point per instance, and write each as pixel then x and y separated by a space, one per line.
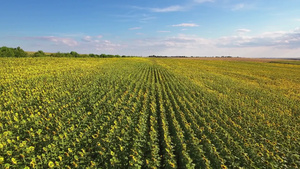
pixel 148 113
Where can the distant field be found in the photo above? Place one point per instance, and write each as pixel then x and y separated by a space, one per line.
pixel 292 62
pixel 149 113
pixel 31 53
pixel 233 59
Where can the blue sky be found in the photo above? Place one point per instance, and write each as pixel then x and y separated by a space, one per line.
pixel 252 28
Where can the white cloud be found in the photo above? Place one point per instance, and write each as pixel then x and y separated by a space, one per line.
pixel 142 18
pixel 91 38
pixel 135 28
pixel 268 44
pixel 146 19
pixel 203 1
pixel 173 8
pixel 278 39
pixel 95 42
pixel 181 41
pixel 163 31
pixel 57 40
pixel 186 25
pixel 89 44
pixel 243 30
pixel 87 39
pixel 242 6
pixel 238 7
pixel 107 45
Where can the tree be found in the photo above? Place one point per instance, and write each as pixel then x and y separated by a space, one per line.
pixel 103 56
pixel 39 53
pixel 20 52
pixel 12 52
pixel 84 55
pixel 6 52
pixel 57 54
pixel 74 54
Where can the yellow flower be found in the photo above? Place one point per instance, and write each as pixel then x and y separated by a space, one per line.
pixel 75 164
pixel 33 162
pixel 51 164
pixel 172 164
pixel 223 166
pixel 67 154
pixel 6 166
pixel 95 135
pixel 14 161
pixel 1 159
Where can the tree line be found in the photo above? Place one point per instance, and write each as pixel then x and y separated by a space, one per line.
pixel 18 52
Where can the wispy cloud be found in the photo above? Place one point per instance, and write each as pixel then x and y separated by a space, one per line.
pixel 135 28
pixel 238 7
pixel 243 30
pixel 242 6
pixel 268 44
pixel 279 39
pixel 88 44
pixel 91 38
pixel 107 45
pixel 173 8
pixel 146 19
pixel 142 18
pixel 182 41
pixel 57 40
pixel 163 31
pixel 87 39
pixel 96 44
pixel 186 25
pixel 203 1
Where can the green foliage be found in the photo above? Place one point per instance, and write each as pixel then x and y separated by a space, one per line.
pixel 292 62
pixel 147 113
pixel 74 54
pixel 12 52
pixel 18 52
pixel 39 53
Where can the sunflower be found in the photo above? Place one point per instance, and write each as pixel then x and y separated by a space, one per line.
pixel 51 164
pixel 223 166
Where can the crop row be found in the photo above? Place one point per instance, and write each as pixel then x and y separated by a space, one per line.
pixel 127 113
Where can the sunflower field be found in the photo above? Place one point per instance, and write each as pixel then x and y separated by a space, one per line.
pixel 148 113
